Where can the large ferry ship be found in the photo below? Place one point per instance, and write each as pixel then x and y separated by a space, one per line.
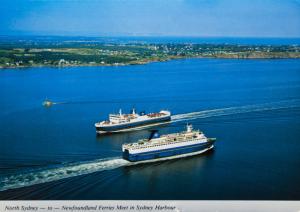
pixel 133 121
pixel 187 143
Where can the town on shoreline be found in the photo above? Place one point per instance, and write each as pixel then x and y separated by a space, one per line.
pixel 63 53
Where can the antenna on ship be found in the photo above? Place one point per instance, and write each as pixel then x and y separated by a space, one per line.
pixel 120 112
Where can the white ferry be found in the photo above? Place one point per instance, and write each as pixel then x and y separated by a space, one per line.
pixel 187 143
pixel 133 121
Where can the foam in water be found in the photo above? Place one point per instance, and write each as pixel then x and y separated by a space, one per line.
pixel 77 169
pixel 49 175
pixel 66 171
pixel 235 110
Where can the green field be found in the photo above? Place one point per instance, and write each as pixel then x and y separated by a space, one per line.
pixel 26 54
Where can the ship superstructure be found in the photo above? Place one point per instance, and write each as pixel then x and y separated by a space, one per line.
pixel 133 121
pixel 189 142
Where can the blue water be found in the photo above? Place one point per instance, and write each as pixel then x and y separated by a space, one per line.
pixel 252 107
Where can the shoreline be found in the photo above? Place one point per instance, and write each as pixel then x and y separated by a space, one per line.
pixel 59 54
pixel 144 62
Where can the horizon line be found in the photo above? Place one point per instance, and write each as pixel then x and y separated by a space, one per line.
pixel 156 36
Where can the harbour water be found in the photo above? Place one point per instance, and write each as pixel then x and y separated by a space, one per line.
pixel 252 107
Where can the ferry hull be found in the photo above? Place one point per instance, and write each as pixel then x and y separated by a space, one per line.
pixel 167 152
pixel 132 126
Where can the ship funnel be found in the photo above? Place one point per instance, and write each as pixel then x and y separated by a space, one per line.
pixel 189 128
pixel 133 111
pixel 154 134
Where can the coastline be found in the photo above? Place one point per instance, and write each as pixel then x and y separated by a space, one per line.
pixel 144 62
pixel 59 53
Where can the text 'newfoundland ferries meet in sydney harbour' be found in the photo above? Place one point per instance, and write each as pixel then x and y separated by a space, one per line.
pixel 133 121
pixel 183 144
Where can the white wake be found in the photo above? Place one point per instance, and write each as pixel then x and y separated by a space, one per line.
pixel 76 169
pixel 66 171
pixel 236 110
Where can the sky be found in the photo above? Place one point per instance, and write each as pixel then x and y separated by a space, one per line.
pixel 199 18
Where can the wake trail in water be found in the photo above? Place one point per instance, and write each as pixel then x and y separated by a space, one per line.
pixel 65 171
pixel 236 110
pixel 72 170
pixel 76 169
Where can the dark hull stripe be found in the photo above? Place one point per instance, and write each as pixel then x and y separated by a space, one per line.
pixel 166 152
pixel 133 124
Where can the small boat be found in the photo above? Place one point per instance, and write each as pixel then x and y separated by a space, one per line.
pixel 183 144
pixel 47 103
pixel 133 121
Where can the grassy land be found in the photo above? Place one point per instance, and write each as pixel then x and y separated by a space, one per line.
pixel 27 54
